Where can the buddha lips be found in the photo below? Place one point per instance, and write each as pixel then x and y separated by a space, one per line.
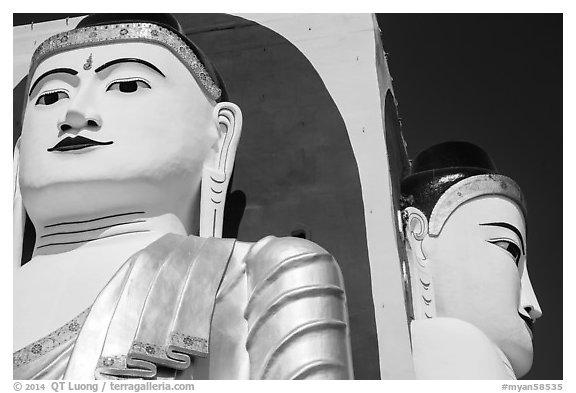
pixel 76 143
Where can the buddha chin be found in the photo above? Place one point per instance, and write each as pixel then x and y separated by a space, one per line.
pixel 518 348
pixel 82 192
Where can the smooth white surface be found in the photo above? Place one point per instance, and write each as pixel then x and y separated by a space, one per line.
pixel 50 290
pixel 448 348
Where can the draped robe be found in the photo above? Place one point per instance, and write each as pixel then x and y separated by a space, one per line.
pixel 196 308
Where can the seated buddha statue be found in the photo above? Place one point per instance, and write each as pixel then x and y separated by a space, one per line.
pixel 127 148
pixel 465 234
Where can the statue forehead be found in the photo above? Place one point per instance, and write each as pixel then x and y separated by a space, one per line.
pixel 85 61
pixel 489 186
pixel 100 54
pixel 489 208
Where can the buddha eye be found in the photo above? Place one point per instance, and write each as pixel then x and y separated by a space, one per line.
pixel 128 85
pixel 51 97
pixel 510 247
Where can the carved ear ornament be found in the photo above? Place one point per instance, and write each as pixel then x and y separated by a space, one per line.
pixel 216 175
pixel 415 223
pixel 128 32
pixel 419 235
pixel 423 291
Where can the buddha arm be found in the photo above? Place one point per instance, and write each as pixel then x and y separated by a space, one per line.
pixel 296 312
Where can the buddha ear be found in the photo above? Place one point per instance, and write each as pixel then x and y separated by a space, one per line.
pixel 416 228
pixel 218 168
pixel 19 214
pixel 228 119
pixel 416 231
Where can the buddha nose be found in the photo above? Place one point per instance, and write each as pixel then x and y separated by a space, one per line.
pixel 81 114
pixel 528 302
pixel 76 120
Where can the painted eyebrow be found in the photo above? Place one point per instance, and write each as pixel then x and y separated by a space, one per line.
pixel 129 60
pixel 47 73
pixel 508 226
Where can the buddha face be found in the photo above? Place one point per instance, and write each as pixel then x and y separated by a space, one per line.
pixel 113 125
pixel 477 264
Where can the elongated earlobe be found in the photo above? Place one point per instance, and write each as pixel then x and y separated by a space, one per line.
pixel 416 229
pixel 19 214
pixel 218 169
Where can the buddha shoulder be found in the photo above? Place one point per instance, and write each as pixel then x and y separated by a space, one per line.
pixel 272 257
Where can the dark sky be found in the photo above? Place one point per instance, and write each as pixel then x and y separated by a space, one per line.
pixel 494 80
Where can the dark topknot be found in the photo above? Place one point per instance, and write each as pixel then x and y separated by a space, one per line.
pixel 438 168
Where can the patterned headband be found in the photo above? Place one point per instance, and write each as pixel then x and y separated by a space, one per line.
pixel 128 32
pixel 470 188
